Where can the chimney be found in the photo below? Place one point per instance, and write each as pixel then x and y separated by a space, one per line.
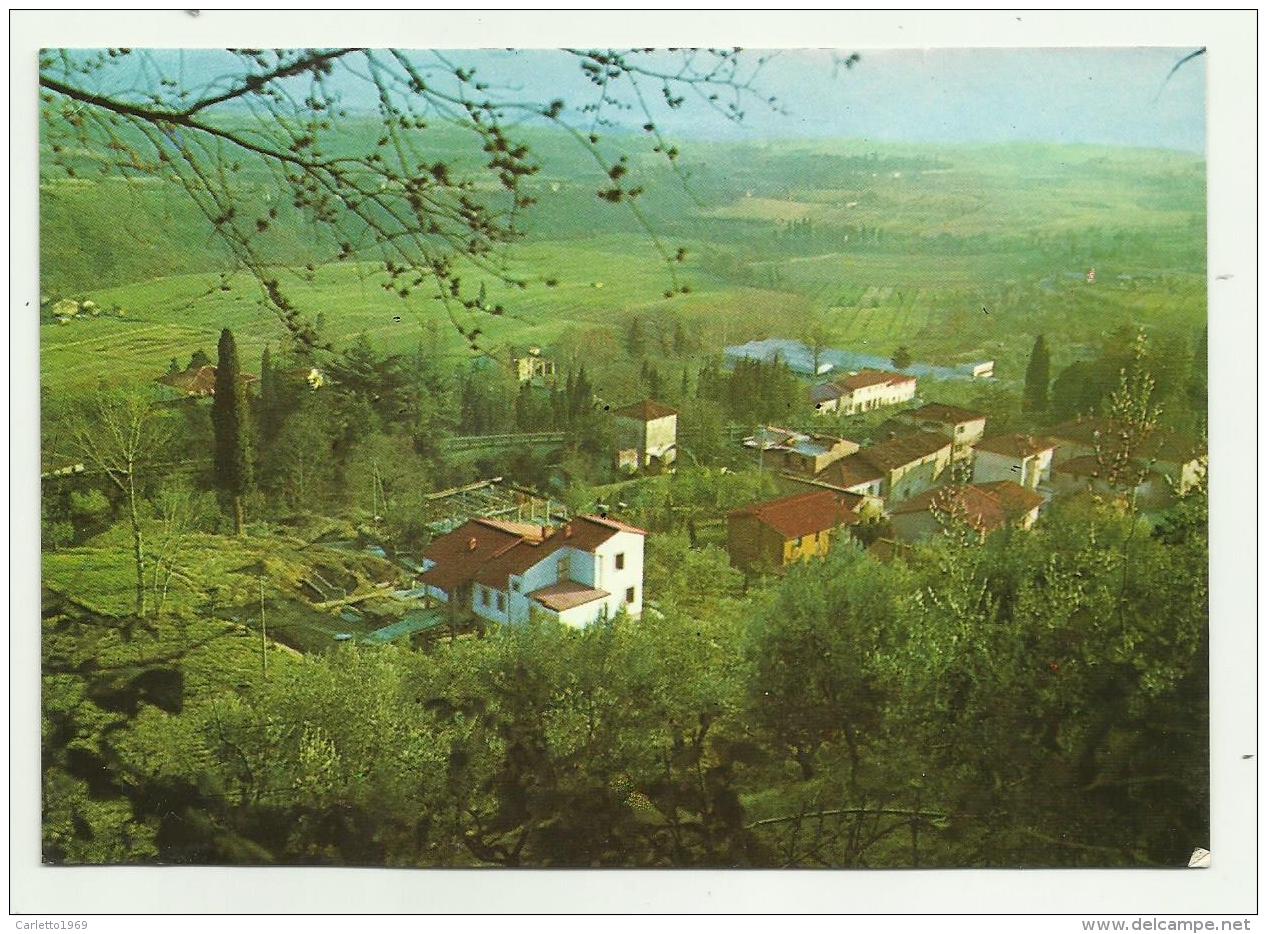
pixel 472 544
pixel 567 530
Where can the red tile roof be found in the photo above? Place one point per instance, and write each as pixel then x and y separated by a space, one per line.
pixel 1016 445
pixel 803 513
pixel 567 594
pixel 984 506
pixel 1162 444
pixel 460 554
pixel 1015 499
pixel 199 381
pixel 903 450
pixel 1088 465
pixel 850 471
pixel 943 414
pixel 645 411
pixel 503 549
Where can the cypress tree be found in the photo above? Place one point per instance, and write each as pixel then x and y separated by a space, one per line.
pixel 635 340
pixel 1037 377
pixel 680 345
pixel 230 419
pixel 268 396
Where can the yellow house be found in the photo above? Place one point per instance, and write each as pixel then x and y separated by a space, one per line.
pixel 772 535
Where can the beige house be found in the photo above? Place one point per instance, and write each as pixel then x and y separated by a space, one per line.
pixel 1175 462
pixel 962 427
pixel 853 474
pixel 1087 473
pixel 799 453
pixel 1023 459
pixel 862 392
pixel 985 507
pixel 892 470
pixel 646 434
pixel 533 367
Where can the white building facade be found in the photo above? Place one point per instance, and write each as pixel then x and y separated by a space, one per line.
pixel 585 571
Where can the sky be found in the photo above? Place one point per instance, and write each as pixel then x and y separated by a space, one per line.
pixel 1107 96
pixel 1115 97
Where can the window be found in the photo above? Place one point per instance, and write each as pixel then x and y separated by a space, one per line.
pixel 620 561
pixel 514 584
pixel 629 595
pixel 501 602
pixel 483 596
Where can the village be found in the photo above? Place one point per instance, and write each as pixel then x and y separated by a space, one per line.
pixel 503 554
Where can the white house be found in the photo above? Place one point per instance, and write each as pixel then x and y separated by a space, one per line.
pixel 645 433
pixel 862 392
pixel 1022 459
pixel 578 573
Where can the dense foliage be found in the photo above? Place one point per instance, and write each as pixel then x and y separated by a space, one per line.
pixel 1034 700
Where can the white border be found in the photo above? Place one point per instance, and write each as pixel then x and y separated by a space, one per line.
pixel 1229 886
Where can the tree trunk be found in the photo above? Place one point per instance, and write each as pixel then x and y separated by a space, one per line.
pixel 138 548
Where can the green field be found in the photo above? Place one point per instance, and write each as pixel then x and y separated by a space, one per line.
pixel 959 252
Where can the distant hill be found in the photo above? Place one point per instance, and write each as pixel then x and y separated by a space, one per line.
pixel 100 232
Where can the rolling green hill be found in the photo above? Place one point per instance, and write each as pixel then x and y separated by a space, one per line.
pixel 954 251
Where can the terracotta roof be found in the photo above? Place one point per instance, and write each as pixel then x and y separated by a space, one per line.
pixel 1016 445
pixel 864 378
pixel 850 471
pixel 198 381
pixel 460 554
pixel 1088 465
pixel 645 411
pixel 501 551
pixel 944 414
pixel 803 513
pixel 1015 499
pixel 985 506
pixel 567 594
pixel 903 450
pixel 1163 444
